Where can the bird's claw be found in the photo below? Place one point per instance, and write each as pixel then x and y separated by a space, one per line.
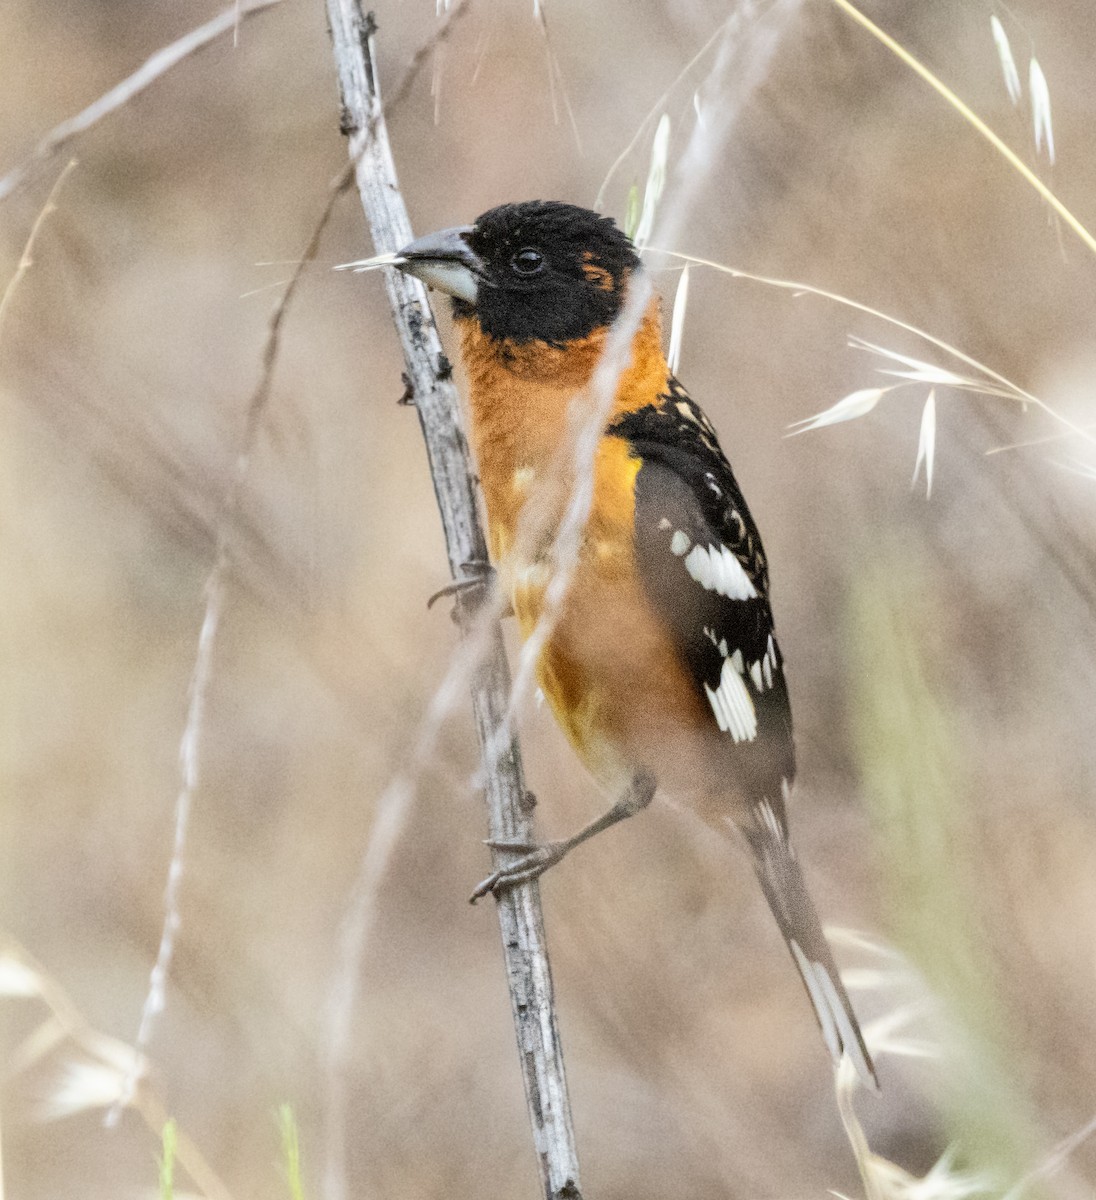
pixel 530 866
pixel 475 575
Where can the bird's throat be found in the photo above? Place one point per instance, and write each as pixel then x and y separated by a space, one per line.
pixel 528 399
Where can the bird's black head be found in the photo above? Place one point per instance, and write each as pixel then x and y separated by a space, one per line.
pixel 536 271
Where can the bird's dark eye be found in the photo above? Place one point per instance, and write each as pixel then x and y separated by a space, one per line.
pixel 527 261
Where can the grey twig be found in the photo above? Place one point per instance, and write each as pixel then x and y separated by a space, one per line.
pixel 523 939
pixel 149 71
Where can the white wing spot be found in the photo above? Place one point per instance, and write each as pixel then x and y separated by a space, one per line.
pixel 664 523
pixel 680 542
pixel 731 703
pixel 766 666
pixel 716 569
pixel 755 675
pixel 699 565
pixel 737 663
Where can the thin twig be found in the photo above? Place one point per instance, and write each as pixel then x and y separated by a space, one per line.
pixel 435 397
pixel 214 591
pixel 148 72
pixel 26 260
pixel 555 74
pixel 656 109
pixel 389 818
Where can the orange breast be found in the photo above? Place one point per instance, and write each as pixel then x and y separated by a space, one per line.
pixel 610 673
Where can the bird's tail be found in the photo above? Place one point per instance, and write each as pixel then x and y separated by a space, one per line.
pixel 786 891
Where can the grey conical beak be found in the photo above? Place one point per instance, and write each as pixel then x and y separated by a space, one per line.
pixel 444 260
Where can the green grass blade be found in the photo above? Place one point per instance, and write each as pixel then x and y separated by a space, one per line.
pixel 169 1140
pixel 291 1151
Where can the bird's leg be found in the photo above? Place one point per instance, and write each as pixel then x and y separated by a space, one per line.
pixel 538 859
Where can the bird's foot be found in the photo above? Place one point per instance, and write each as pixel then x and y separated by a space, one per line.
pixel 532 864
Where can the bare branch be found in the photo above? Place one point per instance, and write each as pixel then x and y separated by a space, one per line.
pixel 435 397
pixel 148 72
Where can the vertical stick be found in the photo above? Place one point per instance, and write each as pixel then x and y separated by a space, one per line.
pixel 524 945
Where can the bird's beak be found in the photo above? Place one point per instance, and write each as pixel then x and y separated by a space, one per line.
pixel 444 260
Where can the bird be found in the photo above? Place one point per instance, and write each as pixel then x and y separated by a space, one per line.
pixel 659 656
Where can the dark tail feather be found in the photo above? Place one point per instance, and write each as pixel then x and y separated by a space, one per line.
pixel 786 891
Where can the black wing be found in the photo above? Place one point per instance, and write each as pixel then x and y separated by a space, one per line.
pixel 702 563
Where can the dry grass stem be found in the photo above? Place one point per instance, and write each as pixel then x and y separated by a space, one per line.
pixel 391 812
pixel 656 182
pixel 101 1075
pixel 993 383
pixel 555 75
pixel 121 94
pixel 215 591
pixel 26 259
pixel 189 766
pixel 1053 1162
pixel 971 117
pixel 657 108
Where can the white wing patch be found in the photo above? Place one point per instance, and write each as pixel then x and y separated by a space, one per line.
pixel 718 570
pixel 734 710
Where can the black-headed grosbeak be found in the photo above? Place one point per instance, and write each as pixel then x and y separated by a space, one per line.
pixel 661 662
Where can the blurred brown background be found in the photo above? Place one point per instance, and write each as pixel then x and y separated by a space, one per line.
pixel 941 653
